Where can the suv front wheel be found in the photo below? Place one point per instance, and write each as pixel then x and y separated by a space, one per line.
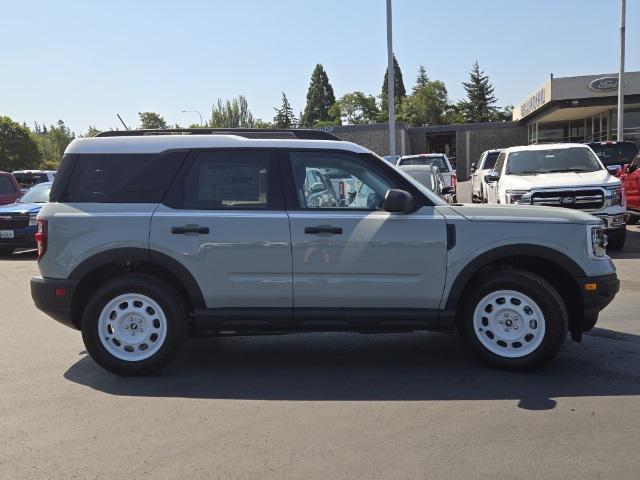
pixel 514 319
pixel 134 325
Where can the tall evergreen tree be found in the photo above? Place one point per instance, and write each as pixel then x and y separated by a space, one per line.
pixel 284 117
pixel 399 92
pixel 320 98
pixel 422 80
pixel 479 106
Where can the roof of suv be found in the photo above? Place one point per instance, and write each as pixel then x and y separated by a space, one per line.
pixel 160 143
pixel 545 146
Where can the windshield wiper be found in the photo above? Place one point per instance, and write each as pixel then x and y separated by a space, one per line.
pixel 561 170
pixel 525 172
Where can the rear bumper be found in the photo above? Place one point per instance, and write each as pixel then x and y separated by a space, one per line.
pixel 53 297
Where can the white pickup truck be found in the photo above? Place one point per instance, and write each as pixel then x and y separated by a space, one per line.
pixel 560 175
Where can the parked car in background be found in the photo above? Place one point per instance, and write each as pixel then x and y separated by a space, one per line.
pixel 565 175
pixel 18 220
pixel 478 170
pixel 9 188
pixel 630 178
pixel 148 238
pixel 29 178
pixel 430 177
pixel 439 160
pixel 614 155
pixel 392 159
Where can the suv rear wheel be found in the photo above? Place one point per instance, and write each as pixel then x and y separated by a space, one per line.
pixel 134 325
pixel 514 319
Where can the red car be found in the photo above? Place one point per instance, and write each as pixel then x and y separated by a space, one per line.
pixel 630 178
pixel 9 189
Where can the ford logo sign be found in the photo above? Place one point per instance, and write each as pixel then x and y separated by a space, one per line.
pixel 604 84
pixel 568 201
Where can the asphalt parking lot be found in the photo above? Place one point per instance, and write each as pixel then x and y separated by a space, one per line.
pixel 320 406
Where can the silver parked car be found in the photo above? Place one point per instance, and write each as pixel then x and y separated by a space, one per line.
pixel 439 160
pixel 485 165
pixel 150 238
pixel 430 177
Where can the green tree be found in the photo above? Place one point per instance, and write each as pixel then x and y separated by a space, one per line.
pixel 454 113
pixel 151 120
pixel 320 98
pixel 502 115
pixel 480 98
pixel 285 117
pixel 232 113
pixel 259 123
pixel 422 80
pixel 356 108
pixel 399 92
pixel 426 106
pixel 18 148
pixel 92 132
pixel 52 143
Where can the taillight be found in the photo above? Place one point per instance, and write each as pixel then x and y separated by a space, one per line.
pixel 41 238
pixel 454 181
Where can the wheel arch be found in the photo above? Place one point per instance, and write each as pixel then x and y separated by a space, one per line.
pixel 554 266
pixel 103 266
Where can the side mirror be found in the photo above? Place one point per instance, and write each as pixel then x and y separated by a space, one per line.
pixel 398 201
pixel 492 177
pixel 447 190
pixel 317 187
pixel 473 167
pixel 613 169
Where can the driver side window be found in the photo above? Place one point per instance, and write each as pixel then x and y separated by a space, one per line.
pixel 337 181
pixel 500 163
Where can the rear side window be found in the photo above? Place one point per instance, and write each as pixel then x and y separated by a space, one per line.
pixel 122 178
pixel 6 186
pixel 225 180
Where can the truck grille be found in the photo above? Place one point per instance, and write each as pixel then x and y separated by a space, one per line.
pixel 578 199
pixel 13 221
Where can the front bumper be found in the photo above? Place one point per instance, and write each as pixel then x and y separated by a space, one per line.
pixel 53 297
pixel 613 222
pixel 23 238
pixel 598 292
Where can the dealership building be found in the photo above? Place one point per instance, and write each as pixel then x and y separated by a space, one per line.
pixel 563 109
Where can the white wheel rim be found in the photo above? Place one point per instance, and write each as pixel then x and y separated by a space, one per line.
pixel 132 327
pixel 509 323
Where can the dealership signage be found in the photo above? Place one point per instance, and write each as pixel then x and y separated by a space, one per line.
pixel 604 84
pixel 533 102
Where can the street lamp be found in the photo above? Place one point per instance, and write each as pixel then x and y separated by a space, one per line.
pixel 194 111
pixel 390 85
pixel 623 8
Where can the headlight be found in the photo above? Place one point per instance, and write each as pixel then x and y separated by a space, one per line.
pixel 598 241
pixel 32 219
pixel 521 197
pixel 615 196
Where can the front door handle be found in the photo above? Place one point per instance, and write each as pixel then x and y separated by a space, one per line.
pixel 323 229
pixel 190 229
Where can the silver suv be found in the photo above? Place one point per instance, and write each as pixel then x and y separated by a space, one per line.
pixel 151 238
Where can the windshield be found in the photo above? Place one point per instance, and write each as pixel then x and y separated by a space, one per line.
pixel 27 180
pixel 426 178
pixel 6 186
pixel 615 153
pixel 572 159
pixel 490 161
pixel 435 161
pixel 36 195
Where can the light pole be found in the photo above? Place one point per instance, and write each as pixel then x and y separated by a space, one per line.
pixel 390 85
pixel 623 8
pixel 194 111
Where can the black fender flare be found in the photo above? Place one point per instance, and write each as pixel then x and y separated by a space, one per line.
pixel 152 257
pixel 504 252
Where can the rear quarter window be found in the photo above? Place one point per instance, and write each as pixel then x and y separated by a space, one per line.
pixel 121 178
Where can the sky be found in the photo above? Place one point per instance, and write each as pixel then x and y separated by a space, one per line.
pixel 85 61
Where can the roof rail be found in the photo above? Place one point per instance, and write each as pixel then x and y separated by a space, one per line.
pixel 299 133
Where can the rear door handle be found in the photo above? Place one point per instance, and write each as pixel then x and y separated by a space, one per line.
pixel 323 229
pixel 190 229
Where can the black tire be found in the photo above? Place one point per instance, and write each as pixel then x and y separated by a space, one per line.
pixel 616 239
pixel 632 219
pixel 165 296
pixel 6 251
pixel 538 290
